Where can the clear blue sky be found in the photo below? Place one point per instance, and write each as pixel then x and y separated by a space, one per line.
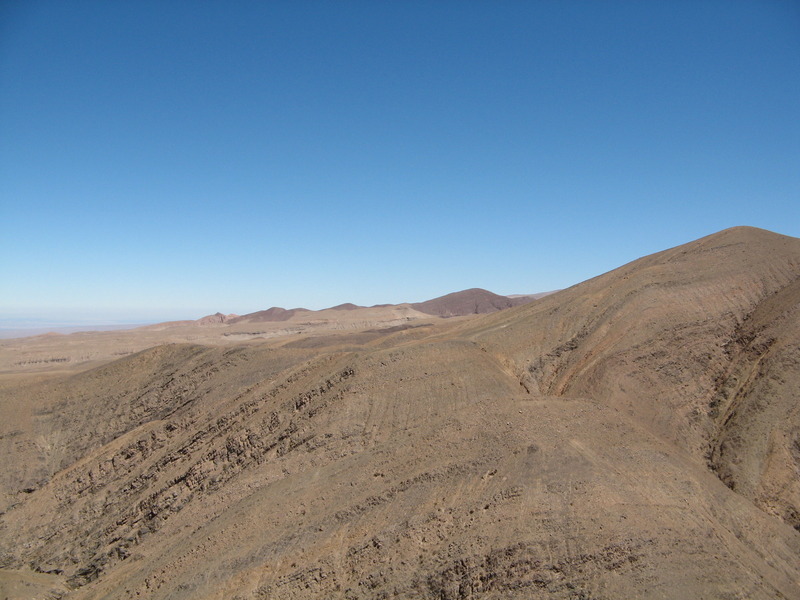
pixel 171 159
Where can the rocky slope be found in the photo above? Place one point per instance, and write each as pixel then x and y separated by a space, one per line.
pixel 633 436
pixel 698 343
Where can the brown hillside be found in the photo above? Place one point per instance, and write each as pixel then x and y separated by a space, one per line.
pixel 346 306
pixel 634 436
pixel 698 343
pixel 215 319
pixel 474 301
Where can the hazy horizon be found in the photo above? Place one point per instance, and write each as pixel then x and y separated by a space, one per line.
pixel 21 319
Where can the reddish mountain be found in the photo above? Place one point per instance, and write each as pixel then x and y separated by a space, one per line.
pixel 345 306
pixel 474 301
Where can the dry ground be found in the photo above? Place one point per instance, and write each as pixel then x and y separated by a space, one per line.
pixel 637 435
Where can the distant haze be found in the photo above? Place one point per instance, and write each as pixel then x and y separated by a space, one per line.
pixel 66 322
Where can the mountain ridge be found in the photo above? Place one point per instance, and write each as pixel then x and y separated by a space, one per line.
pixel 465 302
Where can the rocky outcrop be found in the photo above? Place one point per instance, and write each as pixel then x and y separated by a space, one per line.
pixel 216 319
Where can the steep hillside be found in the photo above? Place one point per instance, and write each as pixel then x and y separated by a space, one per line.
pixel 633 436
pixel 699 343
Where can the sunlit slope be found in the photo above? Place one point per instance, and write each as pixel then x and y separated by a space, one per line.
pixel 700 343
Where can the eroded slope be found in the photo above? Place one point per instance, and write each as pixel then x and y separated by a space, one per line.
pixel 698 343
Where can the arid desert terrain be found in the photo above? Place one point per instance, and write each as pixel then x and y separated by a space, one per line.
pixel 634 436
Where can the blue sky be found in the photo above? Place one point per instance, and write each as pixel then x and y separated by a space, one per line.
pixel 171 159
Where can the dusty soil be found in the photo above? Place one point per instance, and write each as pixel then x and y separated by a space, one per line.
pixel 637 435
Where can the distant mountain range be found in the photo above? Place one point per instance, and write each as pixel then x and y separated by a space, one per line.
pixel 467 302
pixel 474 301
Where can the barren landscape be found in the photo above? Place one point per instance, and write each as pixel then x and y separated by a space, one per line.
pixel 634 436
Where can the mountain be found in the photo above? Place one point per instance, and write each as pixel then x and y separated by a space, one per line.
pixel 699 343
pixel 275 313
pixel 346 306
pixel 467 302
pixel 215 319
pixel 474 301
pixel 636 435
